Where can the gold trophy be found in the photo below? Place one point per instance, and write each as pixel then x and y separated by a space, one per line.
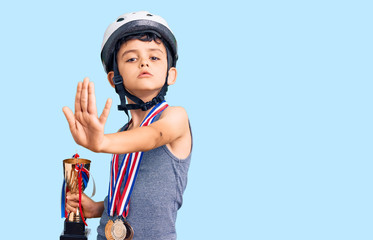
pixel 76 176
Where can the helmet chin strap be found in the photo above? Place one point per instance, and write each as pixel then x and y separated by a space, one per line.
pixel 123 93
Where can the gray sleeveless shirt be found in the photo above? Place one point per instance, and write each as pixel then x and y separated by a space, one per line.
pixel 156 196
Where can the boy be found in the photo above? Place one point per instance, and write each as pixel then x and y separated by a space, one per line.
pixel 139 54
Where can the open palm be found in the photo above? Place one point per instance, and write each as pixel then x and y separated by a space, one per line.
pixel 86 127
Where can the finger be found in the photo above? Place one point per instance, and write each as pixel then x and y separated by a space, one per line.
pixel 74 125
pixel 106 111
pixel 84 95
pixel 72 196
pixel 70 209
pixel 92 109
pixel 77 97
pixel 72 204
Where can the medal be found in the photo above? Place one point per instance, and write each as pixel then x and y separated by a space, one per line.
pixel 108 226
pixel 125 174
pixel 118 230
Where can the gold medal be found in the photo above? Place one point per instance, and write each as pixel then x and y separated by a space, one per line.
pixel 118 230
pixel 108 226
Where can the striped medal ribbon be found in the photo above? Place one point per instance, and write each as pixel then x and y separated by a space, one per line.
pixel 127 172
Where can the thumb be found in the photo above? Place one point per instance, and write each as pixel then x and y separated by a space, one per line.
pixel 105 112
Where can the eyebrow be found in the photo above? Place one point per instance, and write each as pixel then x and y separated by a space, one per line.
pixel 135 51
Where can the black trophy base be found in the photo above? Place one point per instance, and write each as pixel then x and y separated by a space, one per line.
pixel 73 230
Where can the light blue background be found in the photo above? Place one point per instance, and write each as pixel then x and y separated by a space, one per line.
pixel 279 95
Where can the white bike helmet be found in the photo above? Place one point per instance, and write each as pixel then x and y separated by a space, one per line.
pixel 131 24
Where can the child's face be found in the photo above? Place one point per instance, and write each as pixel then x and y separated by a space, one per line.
pixel 143 66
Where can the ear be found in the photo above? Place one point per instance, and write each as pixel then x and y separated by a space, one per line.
pixel 110 77
pixel 172 74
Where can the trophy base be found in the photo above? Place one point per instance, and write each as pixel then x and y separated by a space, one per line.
pixel 74 230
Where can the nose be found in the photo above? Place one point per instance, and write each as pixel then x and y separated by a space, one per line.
pixel 144 63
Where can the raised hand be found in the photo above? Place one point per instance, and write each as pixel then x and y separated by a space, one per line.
pixel 86 127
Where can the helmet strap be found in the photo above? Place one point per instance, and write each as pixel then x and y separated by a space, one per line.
pixel 123 93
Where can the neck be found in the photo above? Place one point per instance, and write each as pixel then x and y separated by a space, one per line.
pixel 137 116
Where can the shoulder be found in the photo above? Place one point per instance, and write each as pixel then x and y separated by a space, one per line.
pixel 177 124
pixel 175 119
pixel 175 112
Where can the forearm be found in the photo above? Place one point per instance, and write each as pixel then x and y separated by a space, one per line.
pixel 172 125
pixel 95 210
pixel 140 139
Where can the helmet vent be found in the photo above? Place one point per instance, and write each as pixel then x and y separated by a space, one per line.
pixel 120 19
pixel 149 15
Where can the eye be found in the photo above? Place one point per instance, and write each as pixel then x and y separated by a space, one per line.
pixel 154 58
pixel 131 60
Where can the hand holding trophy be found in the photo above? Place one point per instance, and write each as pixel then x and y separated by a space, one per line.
pixel 76 176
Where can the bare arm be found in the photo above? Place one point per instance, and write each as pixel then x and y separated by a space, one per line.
pixel 172 125
pixel 87 128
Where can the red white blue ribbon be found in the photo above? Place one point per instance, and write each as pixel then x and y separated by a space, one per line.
pixel 83 176
pixel 126 174
pixel 63 200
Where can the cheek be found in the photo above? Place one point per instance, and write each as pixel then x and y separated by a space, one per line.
pixel 162 74
pixel 126 71
pixel 164 70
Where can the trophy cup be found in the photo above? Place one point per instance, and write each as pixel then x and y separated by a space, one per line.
pixel 76 176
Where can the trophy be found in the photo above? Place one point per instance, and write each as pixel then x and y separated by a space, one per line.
pixel 76 176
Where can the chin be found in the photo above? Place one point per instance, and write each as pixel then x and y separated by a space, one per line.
pixel 147 93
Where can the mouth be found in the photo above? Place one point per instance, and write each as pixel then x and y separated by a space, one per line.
pixel 145 74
